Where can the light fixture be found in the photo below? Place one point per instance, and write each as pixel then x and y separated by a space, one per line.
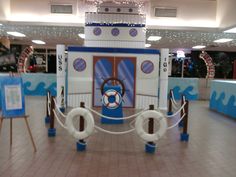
pixel 16 34
pixel 147 45
pixel 0 24
pixel 232 30
pixel 154 38
pixel 199 47
pixel 223 40
pixel 38 42
pixel 81 35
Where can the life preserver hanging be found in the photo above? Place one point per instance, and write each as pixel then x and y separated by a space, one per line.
pixel 114 95
pixel 140 121
pixel 88 117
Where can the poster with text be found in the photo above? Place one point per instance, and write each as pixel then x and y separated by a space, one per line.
pixel 13 102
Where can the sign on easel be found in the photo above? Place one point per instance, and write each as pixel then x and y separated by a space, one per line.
pixel 13 102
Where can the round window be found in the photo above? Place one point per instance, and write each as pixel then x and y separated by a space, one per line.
pixel 133 32
pixel 97 31
pixel 115 32
pixel 147 66
pixel 79 64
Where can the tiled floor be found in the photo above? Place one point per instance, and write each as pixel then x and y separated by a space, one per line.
pixel 211 151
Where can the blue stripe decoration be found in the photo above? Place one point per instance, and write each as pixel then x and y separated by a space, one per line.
pixel 116 25
pixel 112 50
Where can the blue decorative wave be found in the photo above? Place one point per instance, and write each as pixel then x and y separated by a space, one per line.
pixel 187 92
pixel 40 89
pixel 218 104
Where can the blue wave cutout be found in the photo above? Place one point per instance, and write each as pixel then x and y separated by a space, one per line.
pixel 187 92
pixel 218 104
pixel 40 89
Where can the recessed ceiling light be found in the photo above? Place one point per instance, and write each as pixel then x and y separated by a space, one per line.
pixel 81 35
pixel 16 34
pixel 199 47
pixel 232 30
pixel 154 38
pixel 38 42
pixel 223 40
pixel 147 45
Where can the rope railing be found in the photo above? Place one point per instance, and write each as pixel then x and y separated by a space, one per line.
pixel 58 120
pixel 116 118
pixel 176 113
pixel 114 133
pixel 177 123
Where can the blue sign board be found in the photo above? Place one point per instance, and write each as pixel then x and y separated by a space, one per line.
pixel 13 101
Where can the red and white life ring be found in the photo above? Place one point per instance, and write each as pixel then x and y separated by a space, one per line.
pixel 111 93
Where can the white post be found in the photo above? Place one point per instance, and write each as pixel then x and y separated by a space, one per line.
pixel 163 79
pixel 61 74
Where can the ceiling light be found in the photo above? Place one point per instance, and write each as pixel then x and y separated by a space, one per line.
pixel 154 38
pixel 16 34
pixel 0 24
pixel 38 42
pixel 81 35
pixel 223 40
pixel 147 45
pixel 232 30
pixel 199 47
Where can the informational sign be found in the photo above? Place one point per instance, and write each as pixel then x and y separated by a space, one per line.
pixel 13 103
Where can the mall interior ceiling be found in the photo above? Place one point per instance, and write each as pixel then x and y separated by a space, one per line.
pixel 181 24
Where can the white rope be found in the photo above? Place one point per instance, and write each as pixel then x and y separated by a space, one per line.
pixel 173 97
pixel 58 109
pixel 173 104
pixel 114 133
pixel 58 120
pixel 115 118
pixel 49 103
pixel 177 123
pixel 182 107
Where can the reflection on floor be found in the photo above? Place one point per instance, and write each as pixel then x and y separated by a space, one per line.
pixel 210 152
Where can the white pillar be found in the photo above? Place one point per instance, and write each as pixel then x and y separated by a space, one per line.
pixel 163 79
pixel 61 76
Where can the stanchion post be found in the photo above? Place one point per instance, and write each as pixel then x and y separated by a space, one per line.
pixel 52 130
pixel 47 118
pixel 182 110
pixel 185 136
pixel 150 147
pixel 81 144
pixel 170 112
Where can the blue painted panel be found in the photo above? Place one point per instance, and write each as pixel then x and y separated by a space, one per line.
pixel 38 84
pixel 186 86
pixel 223 97
pixel 102 71
pixel 126 73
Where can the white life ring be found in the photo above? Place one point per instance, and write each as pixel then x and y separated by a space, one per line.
pixel 89 126
pixel 145 116
pixel 109 93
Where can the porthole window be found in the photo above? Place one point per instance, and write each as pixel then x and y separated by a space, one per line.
pixel 147 67
pixel 115 32
pixel 133 32
pixel 130 10
pixel 118 10
pixel 106 9
pixel 97 31
pixel 79 64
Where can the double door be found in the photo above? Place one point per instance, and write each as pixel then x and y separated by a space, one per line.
pixel 123 68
